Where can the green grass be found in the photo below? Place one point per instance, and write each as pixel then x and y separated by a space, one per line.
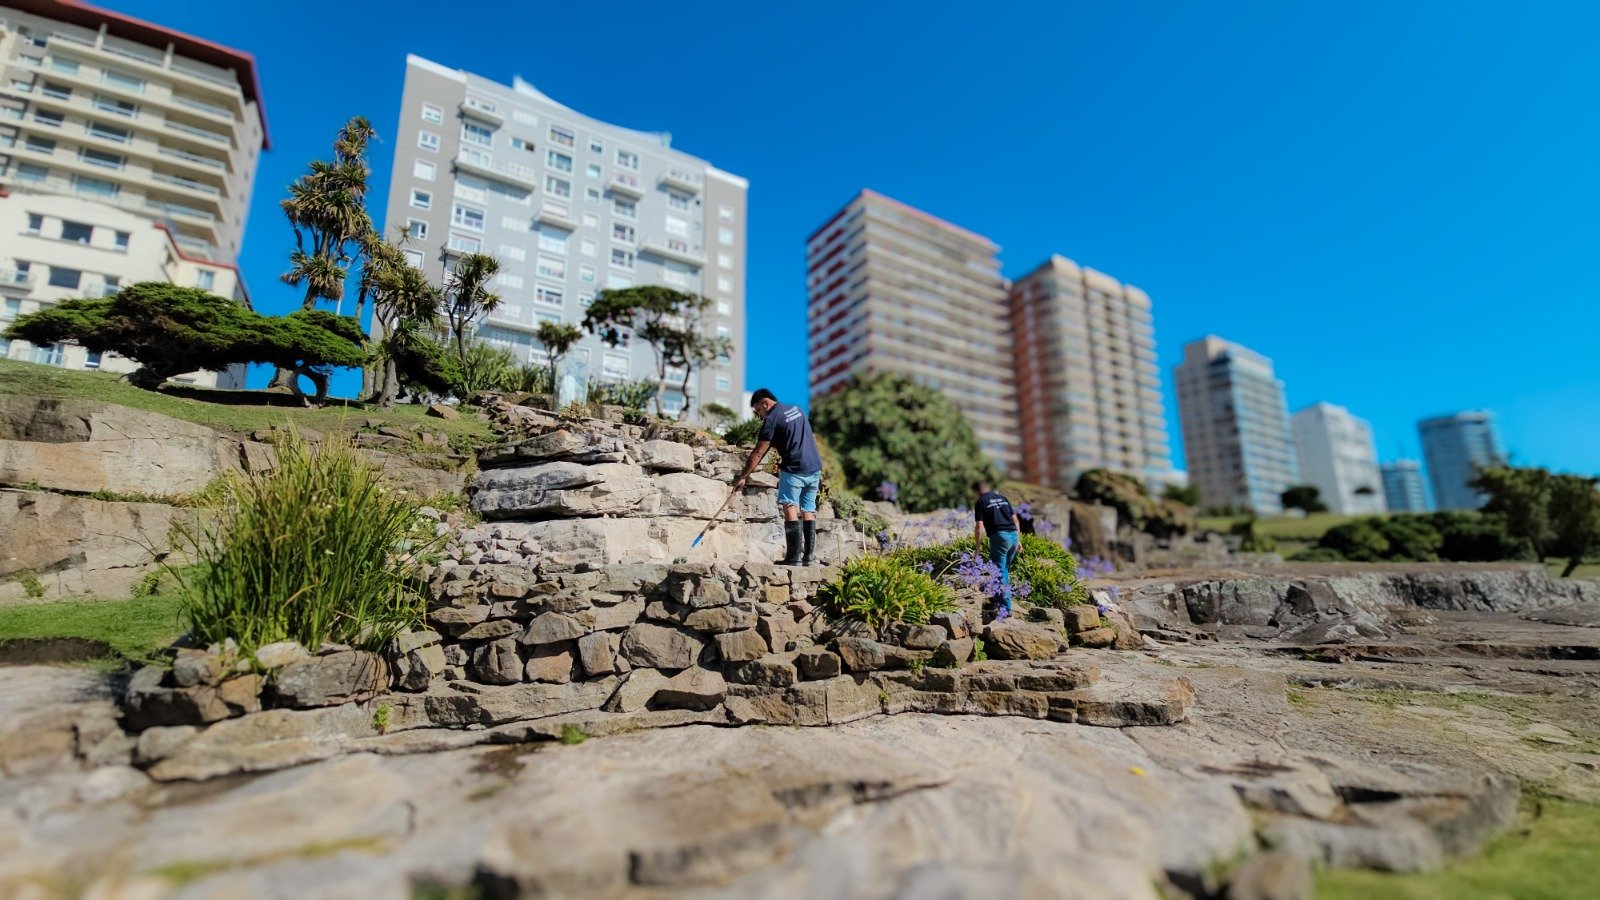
pixel 1552 852
pixel 1584 570
pixel 1307 530
pixel 236 411
pixel 134 629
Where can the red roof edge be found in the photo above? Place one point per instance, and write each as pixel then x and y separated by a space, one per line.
pixel 869 192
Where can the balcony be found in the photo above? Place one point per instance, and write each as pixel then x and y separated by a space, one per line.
pixel 16 280
pixel 174 209
pixel 683 181
pixel 556 214
pixel 195 158
pixel 201 133
pixel 626 183
pixel 152 62
pixel 673 248
pixel 483 111
pixel 187 184
pixel 480 163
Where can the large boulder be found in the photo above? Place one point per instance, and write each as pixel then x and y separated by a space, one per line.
pixel 1022 640
pixel 343 676
pixel 76 546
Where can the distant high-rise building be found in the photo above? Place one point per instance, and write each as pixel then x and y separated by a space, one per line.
pixel 1403 488
pixel 1088 393
pixel 128 153
pixel 1338 458
pixel 893 289
pixel 1456 447
pixel 1235 426
pixel 570 206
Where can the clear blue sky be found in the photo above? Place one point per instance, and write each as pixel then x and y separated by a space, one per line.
pixel 1397 202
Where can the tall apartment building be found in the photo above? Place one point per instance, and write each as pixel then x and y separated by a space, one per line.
pixel 1403 488
pixel 1235 426
pixel 1087 389
pixel 1456 447
pixel 1337 456
pixel 570 206
pixel 891 288
pixel 127 152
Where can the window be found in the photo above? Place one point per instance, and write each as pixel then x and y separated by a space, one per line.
pixel 677 200
pixel 615 365
pixel 473 133
pixel 627 209
pixel 47 117
pixel 628 159
pixel 35 223
pixel 617 282
pixel 725 283
pixel 122 80
pixel 591 195
pixel 122 240
pixel 724 331
pixel 675 278
pixel 77 232
pixel 417 228
pixel 414 258
pixel 557 187
pixel 97 187
pixel 551 267
pixel 561 162
pixel 56 91
pixel 424 169
pixel 427 140
pixel 110 284
pixel 110 132
pixel 40 145
pixel 31 172
pixel 421 199
pixel 205 279
pixel 586 274
pixel 590 220
pixel 92 360
pixel 551 296
pixel 64 66
pixel 587 247
pixel 585 299
pixel 561 136
pixel 432 114
pixel 467 217
pixel 725 213
pixel 677 226
pixel 506 279
pixel 540 315
pixel 622 259
pixel 725 237
pixel 596 145
pixel 465 243
pixel 113 105
pixel 725 260
pixel 724 383
pixel 620 232
pixel 512 222
pixel 101 158
pixel 593 170
pixel 724 308
pixel 65 278
pixel 522 144
pixel 552 240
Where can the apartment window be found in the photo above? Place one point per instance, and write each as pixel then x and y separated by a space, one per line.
pixel 510 252
pixel 624 233
pixel 10 309
pixel 473 133
pixel 584 300
pixel 724 331
pixel 677 226
pixel 724 308
pixel 113 105
pixel 97 187
pixel 101 158
pixel 615 365
pixel 587 247
pixel 64 66
pixel 550 296
pixel 467 217
pixel 725 282
pixel 56 91
pixel 432 114
pixel 677 200
pixel 110 133
pixel 205 279
pixel 40 145
pixel 562 136
pixel 35 223
pixel 553 241
pixel 675 278
pixel 590 220
pixel 725 213
pixel 28 172
pixel 122 80
pixel 724 383
pixel 416 228
pixel 465 243
pixel 424 170
pixel 586 274
pixel 427 140
pixel 421 199
pixel 615 282
pixel 551 267
pixel 522 144
pixel 47 117
pixel 593 170
pixel 628 159
pixel 506 279
pixel 627 209
pixel 592 196
pixel 622 259
pixel 561 162
pixel 77 232
pixel 65 278
pixel 725 260
pixel 557 187
pixel 512 222
pixel 92 360
pixel 414 258
pixel 725 237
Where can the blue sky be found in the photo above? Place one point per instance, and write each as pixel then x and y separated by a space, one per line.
pixel 1397 202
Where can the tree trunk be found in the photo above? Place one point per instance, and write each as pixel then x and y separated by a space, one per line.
pixel 282 381
pixel 1573 562
pixel 683 388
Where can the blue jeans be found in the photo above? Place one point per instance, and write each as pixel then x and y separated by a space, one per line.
pixel 1003 548
pixel 798 490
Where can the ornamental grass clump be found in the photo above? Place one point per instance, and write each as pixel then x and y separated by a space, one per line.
pixel 319 549
pixel 875 590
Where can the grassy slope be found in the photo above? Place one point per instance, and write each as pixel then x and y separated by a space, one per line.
pixel 235 411
pixel 135 629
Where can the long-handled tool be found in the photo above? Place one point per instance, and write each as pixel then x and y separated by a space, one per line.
pixel 714 517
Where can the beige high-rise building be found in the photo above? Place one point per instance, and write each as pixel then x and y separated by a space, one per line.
pixel 1088 392
pixel 893 289
pixel 127 153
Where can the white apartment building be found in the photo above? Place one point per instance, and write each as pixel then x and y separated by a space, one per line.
pixel 1337 457
pixel 570 206
pixel 1235 423
pixel 127 153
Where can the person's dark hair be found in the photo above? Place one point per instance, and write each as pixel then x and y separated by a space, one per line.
pixel 760 395
pixel 981 485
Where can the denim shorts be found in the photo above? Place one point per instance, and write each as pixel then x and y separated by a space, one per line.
pixel 799 490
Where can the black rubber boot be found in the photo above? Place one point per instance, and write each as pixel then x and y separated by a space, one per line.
pixel 809 529
pixel 791 541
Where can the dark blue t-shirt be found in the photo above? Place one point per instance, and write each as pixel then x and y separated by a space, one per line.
pixel 787 430
pixel 995 512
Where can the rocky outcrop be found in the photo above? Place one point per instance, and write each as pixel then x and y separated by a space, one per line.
pixel 76 546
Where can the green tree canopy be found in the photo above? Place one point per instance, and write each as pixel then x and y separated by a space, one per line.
pixel 1304 497
pixel 557 338
pixel 1575 518
pixel 670 321
pixel 1522 497
pixel 889 428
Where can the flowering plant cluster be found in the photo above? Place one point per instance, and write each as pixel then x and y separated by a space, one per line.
pixel 1095 567
pixel 889 491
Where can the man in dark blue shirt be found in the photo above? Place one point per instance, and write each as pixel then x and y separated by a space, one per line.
pixel 785 428
pixel 994 514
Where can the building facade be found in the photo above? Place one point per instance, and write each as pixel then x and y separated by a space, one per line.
pixel 1088 393
pixel 1403 487
pixel 1337 456
pixel 1235 425
pixel 1456 447
pixel 570 206
pixel 110 127
pixel 891 288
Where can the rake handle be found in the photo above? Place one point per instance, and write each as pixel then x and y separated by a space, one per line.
pixel 714 517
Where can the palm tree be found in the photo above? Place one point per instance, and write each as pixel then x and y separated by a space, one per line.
pixel 467 296
pixel 405 309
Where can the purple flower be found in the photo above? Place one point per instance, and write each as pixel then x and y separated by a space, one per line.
pixel 1025 511
pixel 925 567
pixel 1095 567
pixel 889 491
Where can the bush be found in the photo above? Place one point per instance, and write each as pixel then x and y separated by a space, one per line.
pixel 319 549
pixel 1317 554
pixel 876 590
pixel 629 394
pixel 854 510
pixel 743 433
pixel 485 368
pixel 1048 571
pixel 1478 537
pixel 1410 538
pixel 1251 540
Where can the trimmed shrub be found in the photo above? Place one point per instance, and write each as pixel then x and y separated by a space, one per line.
pixel 318 549
pixel 1478 537
pixel 875 590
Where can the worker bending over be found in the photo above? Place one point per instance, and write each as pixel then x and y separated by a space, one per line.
pixel 784 427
